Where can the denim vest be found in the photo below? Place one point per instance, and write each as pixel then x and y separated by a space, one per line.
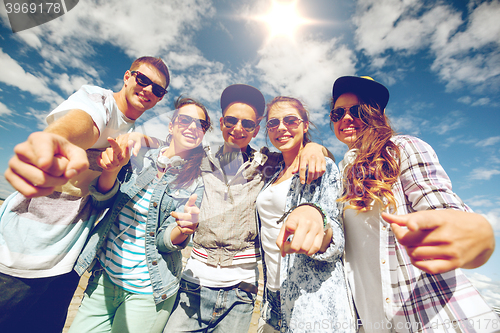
pixel 164 259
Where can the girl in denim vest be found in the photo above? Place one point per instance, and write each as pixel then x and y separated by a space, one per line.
pixel 135 248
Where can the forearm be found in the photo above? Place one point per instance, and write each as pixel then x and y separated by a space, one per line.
pixel 327 239
pixel 485 238
pixel 177 237
pixel 77 127
pixel 107 180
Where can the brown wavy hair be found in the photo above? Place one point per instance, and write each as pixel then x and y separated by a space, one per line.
pixel 191 170
pixel 376 167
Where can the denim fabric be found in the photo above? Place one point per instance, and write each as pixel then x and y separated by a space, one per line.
pixel 271 309
pixel 313 291
pixel 163 258
pixel 109 308
pixel 35 305
pixel 201 309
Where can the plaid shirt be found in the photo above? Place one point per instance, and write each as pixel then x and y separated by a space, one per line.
pixel 415 301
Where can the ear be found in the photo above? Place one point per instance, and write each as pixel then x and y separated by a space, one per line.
pixel 170 127
pixel 127 76
pixel 221 121
pixel 306 126
pixel 256 131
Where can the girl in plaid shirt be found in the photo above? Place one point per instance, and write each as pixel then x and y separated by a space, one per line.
pixel 404 279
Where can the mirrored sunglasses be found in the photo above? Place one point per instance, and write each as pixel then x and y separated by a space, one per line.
pixel 288 121
pixel 338 113
pixel 185 120
pixel 247 124
pixel 145 81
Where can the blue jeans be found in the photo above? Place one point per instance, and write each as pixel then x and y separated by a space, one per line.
pixel 201 309
pixel 107 307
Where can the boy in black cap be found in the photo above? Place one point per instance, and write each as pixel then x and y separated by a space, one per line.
pixel 219 284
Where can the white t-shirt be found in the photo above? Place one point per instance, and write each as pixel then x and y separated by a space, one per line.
pixel 42 237
pixel 271 204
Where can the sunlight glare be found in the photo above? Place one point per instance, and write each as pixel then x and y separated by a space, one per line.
pixel 283 19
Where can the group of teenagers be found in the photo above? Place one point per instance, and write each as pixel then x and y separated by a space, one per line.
pixel 373 245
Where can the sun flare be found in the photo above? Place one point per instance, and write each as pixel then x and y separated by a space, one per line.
pixel 283 19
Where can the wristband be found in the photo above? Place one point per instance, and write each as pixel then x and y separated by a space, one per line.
pixel 318 208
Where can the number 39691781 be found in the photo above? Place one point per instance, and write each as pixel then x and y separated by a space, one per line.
pixel 33 8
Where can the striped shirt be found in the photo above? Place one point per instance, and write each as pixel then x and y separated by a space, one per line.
pixel 124 257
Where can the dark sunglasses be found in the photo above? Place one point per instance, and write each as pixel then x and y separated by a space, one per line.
pixel 184 120
pixel 338 113
pixel 288 121
pixel 247 124
pixel 144 81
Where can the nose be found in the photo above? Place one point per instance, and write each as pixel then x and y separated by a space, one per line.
pixel 347 116
pixel 238 126
pixel 148 89
pixel 192 126
pixel 281 126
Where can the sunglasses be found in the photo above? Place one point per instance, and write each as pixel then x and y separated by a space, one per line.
pixel 288 121
pixel 338 113
pixel 247 124
pixel 185 120
pixel 144 81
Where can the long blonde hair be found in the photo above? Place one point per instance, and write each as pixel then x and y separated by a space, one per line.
pixel 376 167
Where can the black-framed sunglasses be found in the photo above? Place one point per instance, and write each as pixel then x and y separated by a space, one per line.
pixel 247 124
pixel 338 113
pixel 184 120
pixel 288 121
pixel 145 81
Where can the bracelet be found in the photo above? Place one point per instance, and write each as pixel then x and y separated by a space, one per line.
pixel 318 208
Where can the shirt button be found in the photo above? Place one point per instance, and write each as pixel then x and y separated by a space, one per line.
pixel 384 228
pixel 163 296
pixel 164 182
pixel 154 263
pixel 152 234
pixel 383 261
pixel 387 300
pixel 155 204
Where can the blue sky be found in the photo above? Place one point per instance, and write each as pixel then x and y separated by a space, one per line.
pixel 439 59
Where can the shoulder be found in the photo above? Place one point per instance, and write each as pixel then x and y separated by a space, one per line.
pixel 331 167
pixel 408 142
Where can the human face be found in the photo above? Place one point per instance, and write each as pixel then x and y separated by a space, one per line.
pixel 237 136
pixel 288 139
pixel 186 137
pixel 139 98
pixel 348 129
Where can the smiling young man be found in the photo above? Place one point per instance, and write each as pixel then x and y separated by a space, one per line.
pixel 45 224
pixel 219 284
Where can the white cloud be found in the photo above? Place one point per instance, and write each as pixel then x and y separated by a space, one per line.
pixel 489 141
pixel 4 110
pixel 482 101
pixel 483 173
pixel 489 289
pixel 70 84
pixel 305 69
pixel 466 53
pixel 13 74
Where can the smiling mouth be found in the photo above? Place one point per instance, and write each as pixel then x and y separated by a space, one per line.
pixel 283 138
pixel 349 129
pixel 143 98
pixel 190 136
pixel 237 137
